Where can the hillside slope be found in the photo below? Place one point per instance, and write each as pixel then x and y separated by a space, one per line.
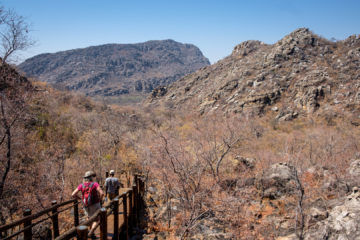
pixel 300 74
pixel 116 69
pixel 48 138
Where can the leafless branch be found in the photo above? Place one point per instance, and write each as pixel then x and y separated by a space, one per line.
pixel 14 33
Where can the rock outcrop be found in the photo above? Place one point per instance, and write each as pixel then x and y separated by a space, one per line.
pixel 277 181
pixel 354 169
pixel 342 221
pixel 12 84
pixel 299 75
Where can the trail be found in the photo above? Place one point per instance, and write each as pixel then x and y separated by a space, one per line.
pixel 110 219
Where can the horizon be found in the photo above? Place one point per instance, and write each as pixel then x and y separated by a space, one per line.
pixel 212 26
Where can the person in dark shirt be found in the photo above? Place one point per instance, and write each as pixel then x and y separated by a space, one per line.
pixel 112 186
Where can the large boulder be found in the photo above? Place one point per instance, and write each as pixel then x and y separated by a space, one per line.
pixel 354 168
pixel 342 222
pixel 248 163
pixel 277 181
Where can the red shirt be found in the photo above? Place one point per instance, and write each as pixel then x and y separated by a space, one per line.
pixel 93 190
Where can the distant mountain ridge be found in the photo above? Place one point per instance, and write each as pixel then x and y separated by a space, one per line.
pixel 116 69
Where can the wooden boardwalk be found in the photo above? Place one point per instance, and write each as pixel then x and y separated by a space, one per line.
pixel 116 218
pixel 110 219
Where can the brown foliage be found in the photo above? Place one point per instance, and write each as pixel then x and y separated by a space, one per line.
pixel 194 162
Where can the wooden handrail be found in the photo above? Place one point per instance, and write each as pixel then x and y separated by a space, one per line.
pixel 72 232
pixel 130 201
pixel 34 216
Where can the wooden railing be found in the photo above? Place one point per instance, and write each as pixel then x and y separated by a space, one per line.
pixel 46 214
pixel 131 201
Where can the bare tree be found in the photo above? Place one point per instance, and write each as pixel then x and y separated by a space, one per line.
pixel 10 114
pixel 14 33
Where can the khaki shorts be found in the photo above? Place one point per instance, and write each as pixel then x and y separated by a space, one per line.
pixel 112 196
pixel 90 210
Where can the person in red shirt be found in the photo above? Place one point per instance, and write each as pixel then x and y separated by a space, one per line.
pixel 91 197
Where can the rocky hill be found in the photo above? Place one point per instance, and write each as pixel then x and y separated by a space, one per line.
pixel 300 74
pixel 13 86
pixel 116 69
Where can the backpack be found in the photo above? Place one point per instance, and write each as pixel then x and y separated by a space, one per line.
pixel 89 197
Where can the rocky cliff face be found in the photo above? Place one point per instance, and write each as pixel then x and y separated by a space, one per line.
pixel 298 75
pixel 117 69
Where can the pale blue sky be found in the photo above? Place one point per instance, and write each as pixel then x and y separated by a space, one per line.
pixel 215 26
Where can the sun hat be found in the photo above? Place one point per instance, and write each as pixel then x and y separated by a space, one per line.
pixel 93 174
pixel 88 174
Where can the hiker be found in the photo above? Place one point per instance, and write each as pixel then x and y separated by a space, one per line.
pixel 91 197
pixel 112 186
pixel 92 174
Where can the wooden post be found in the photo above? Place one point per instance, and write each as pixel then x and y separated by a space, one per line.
pixel 137 181
pixel 141 193
pixel 103 224
pixel 116 218
pixel 135 202
pixel 126 225
pixel 55 220
pixel 128 179
pixel 130 208
pixel 76 213
pixel 143 186
pixel 82 232
pixel 27 232
pixel 106 176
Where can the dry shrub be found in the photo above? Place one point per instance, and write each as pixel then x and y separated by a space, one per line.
pixel 195 160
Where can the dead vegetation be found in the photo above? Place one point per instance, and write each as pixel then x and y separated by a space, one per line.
pixel 209 173
pixel 263 174
pixel 208 176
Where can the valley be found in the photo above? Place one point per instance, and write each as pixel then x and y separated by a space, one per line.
pixel 262 144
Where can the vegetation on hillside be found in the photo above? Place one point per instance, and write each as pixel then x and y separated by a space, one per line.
pixel 50 138
pixel 211 170
pixel 237 175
